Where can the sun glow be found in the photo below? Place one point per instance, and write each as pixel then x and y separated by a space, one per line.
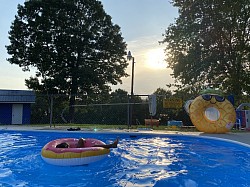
pixel 155 59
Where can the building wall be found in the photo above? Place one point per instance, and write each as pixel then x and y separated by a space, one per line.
pixel 26 113
pixel 5 113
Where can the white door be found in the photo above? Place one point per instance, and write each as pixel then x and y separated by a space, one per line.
pixel 17 113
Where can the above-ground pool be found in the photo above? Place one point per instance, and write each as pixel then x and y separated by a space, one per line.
pixel 139 160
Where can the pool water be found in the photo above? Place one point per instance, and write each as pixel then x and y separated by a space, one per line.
pixel 141 160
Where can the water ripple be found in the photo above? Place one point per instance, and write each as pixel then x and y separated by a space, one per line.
pixel 143 161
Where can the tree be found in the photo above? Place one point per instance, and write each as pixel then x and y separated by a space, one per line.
pixel 161 95
pixel 210 44
pixel 73 44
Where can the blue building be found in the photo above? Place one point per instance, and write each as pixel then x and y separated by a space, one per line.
pixel 15 106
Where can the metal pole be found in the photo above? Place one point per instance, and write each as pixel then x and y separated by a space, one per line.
pixel 132 93
pixel 131 100
pixel 128 111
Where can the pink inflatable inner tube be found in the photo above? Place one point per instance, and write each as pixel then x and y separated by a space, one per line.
pixel 73 156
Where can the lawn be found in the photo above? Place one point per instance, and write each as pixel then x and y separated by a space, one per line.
pixel 123 127
pixel 119 127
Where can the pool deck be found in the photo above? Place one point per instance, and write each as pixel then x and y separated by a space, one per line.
pixel 241 137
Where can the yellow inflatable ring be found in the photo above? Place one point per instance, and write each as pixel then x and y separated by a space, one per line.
pixel 221 109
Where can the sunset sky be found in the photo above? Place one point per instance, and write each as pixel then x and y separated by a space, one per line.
pixel 142 25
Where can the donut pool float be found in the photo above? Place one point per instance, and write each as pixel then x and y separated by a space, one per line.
pixel 212 113
pixel 73 156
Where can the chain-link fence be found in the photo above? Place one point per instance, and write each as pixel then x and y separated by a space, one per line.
pixel 115 110
pixel 109 109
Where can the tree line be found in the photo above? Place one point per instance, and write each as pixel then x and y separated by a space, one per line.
pixel 77 50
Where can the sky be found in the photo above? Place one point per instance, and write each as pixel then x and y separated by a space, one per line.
pixel 142 24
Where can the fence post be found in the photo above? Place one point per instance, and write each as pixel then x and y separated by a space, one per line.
pixel 128 112
pixel 51 110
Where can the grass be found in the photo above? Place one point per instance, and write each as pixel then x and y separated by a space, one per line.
pixel 120 127
pixel 125 127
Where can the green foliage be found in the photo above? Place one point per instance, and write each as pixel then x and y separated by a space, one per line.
pixel 162 94
pixel 72 43
pixel 209 44
pixel 212 91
